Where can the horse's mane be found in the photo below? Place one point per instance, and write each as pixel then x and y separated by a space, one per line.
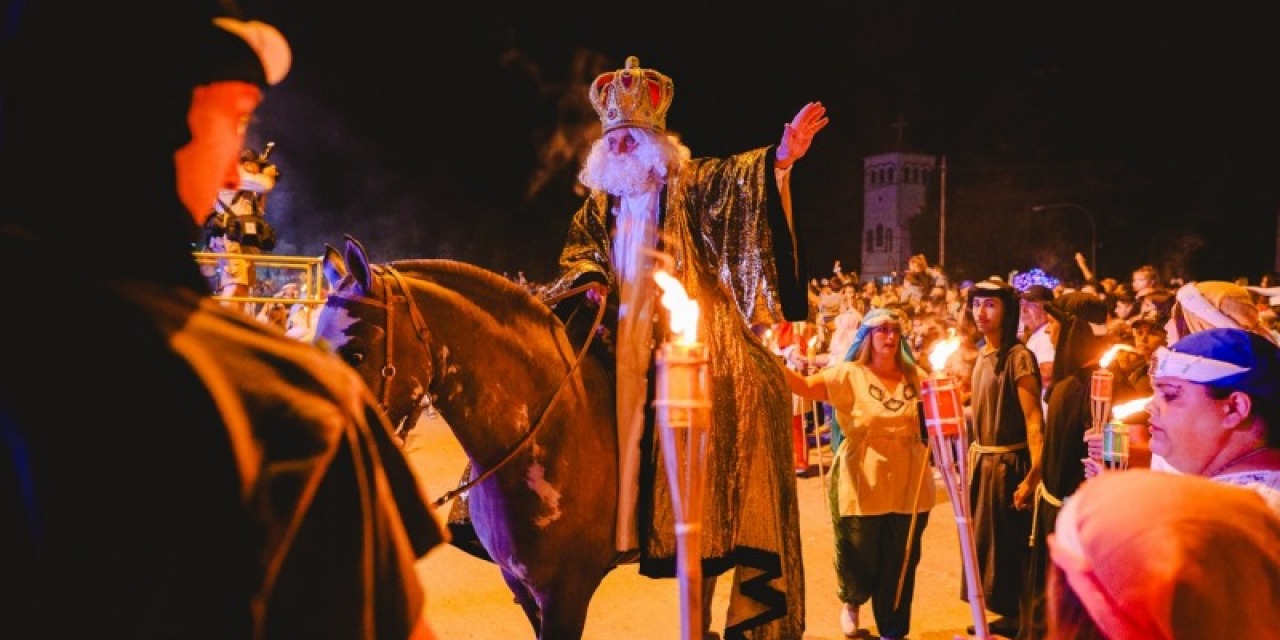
pixel 475 283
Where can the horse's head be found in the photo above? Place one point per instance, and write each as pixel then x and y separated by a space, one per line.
pixel 360 322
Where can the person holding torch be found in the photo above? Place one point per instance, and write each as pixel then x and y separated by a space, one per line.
pixel 880 493
pixel 1077 327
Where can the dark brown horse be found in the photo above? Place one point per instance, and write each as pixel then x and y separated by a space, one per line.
pixel 498 365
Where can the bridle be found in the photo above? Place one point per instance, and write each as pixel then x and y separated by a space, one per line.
pixel 388 371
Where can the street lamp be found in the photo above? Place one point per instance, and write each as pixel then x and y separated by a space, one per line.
pixel 1093 227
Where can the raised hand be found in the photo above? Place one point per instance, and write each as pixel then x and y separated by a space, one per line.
pixel 798 134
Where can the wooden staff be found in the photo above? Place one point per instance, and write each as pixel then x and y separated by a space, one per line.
pixel 911 535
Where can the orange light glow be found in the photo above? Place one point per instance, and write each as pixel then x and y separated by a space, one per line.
pixel 1122 411
pixel 684 312
pixel 1111 354
pixel 942 349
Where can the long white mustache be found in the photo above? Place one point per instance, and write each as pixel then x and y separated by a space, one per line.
pixel 621 175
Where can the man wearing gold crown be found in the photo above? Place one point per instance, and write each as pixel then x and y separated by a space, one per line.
pixel 727 225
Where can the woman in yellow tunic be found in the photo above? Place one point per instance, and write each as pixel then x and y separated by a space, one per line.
pixel 880 487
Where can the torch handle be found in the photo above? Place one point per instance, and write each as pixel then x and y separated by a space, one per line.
pixel 955 477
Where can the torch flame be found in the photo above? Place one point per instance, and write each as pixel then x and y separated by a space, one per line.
pixel 942 349
pixel 684 312
pixel 1111 354
pixel 1122 411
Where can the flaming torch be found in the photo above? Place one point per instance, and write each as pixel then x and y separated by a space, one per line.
pixel 682 400
pixel 1102 388
pixel 1115 436
pixel 949 442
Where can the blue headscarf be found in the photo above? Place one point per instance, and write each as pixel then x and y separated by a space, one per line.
pixel 874 318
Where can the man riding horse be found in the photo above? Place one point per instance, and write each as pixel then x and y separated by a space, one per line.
pixel 727 222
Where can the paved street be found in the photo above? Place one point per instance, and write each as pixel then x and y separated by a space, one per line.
pixel 467 598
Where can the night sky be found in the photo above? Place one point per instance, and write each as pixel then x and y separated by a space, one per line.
pixel 458 134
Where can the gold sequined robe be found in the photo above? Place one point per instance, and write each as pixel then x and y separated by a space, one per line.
pixel 731 244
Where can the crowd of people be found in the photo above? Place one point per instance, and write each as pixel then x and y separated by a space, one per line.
pixel 1199 358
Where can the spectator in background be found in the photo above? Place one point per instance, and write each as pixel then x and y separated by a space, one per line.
pixel 1107 286
pixel 829 301
pixel 794 342
pixel 959 364
pixel 1142 554
pixel 1156 306
pixel 255 490
pixel 1214 303
pixel 1147 336
pixel 871 295
pixel 277 313
pixel 952 306
pixel 846 324
pixel 1122 312
pixel 917 281
pixel 1033 330
pixel 1077 324
pixel 301 324
pixel 1144 281
pixel 814 295
pixel 1128 363
pixel 1034 326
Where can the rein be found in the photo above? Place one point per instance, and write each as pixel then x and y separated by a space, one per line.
pixel 388 368
pixel 420 327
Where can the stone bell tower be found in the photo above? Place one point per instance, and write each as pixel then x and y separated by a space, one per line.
pixel 895 186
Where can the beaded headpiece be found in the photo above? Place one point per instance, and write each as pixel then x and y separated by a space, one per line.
pixel 632 97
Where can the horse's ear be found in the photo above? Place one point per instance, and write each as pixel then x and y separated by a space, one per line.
pixel 358 264
pixel 335 268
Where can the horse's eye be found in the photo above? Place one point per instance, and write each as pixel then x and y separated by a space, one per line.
pixel 353 358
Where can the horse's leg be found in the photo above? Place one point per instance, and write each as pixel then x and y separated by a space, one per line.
pixel 564 607
pixel 526 600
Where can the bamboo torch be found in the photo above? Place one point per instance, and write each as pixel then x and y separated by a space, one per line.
pixel 1115 436
pixel 682 401
pixel 949 442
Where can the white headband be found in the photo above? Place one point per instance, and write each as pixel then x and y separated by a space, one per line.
pixel 1199 369
pixel 1191 299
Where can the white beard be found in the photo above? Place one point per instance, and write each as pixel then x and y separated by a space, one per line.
pixel 635 235
pixel 633 180
pixel 622 175
pixel 635 238
pixel 644 168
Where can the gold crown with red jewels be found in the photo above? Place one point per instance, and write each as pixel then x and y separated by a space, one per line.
pixel 632 97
